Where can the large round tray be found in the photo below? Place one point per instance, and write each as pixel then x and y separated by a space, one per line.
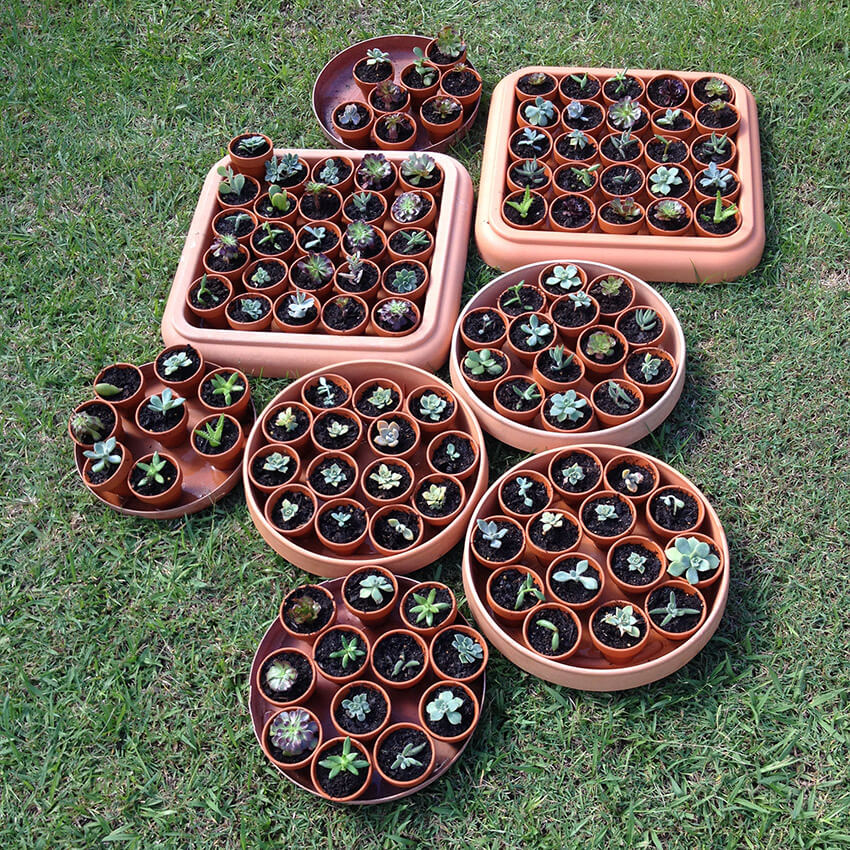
pixel 335 84
pixel 587 669
pixel 307 552
pixel 535 439
pixel 404 702
pixel 203 483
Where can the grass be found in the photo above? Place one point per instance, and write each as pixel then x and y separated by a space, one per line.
pixel 126 645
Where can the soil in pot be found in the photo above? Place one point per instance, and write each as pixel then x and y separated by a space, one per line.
pixel 415 742
pixel 668 514
pixel 443 726
pixel 608 212
pixel 625 475
pixel 345 783
pixel 307 610
pixel 717 118
pixel 228 262
pixel 706 153
pixel 406 435
pixel 590 117
pixel 566 424
pixel 616 353
pixel 331 476
pixel 459 83
pixel 391 538
pixel 571 314
pixel 411 241
pixel 362 238
pixel 717 93
pixel 153 420
pixel 419 200
pixel 236 224
pixel 522 174
pixel 610 634
pixel 125 379
pixel 579 87
pixel 204 295
pixel 229 436
pixel 368 207
pixel 412 79
pixel 244 196
pixel 536 83
pixel 385 474
pixel 520 298
pixel 530 142
pixel 401 282
pixel 108 471
pixel 368 603
pixel 660 598
pixel 453 455
pixel 612 527
pixel 626 85
pixel 273 470
pixel 151 487
pixel 507 587
pixel 500 368
pixel 373 73
pixel 511 543
pixel 359 281
pixel 531 334
pixel 351 529
pixel 439 607
pixel 541 638
pixel 396 315
pixel 643 333
pixel 484 326
pixel 622 180
pixel 620 154
pixel 344 313
pixel 568 371
pixel 377 400
pixel 511 394
pixel 671 224
pixel 390 131
pixel 336 641
pixel 570 591
pixel 214 399
pixel 302 516
pixel 575 151
pixel 535 213
pixel 289 424
pixel 635 370
pixel 312 272
pixel 271 240
pixel 524 495
pixel 178 364
pixel 335 170
pixel 451 499
pixel 431 114
pixel 375 172
pixel 705 214
pixel 325 431
pixel 558 538
pixel 398 658
pixel 667 92
pixel 303 750
pixel 321 205
pixel 565 473
pixel 267 275
pixel 667 152
pixel 321 240
pixel 615 404
pixel 626 554
pixel 572 211
pixel 283 313
pixel 570 181
pixel 237 310
pixel 613 294
pixel 362 711
pixel 421 409
pixel 457 654
pixel 325 392
pixel 303 672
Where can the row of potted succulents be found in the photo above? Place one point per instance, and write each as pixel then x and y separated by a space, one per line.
pixel 431 663
pixel 571 353
pixel 123 400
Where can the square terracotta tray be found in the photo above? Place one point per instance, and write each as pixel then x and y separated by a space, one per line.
pixel 278 354
pixel 686 259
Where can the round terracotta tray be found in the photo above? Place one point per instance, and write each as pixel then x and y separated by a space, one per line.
pixel 203 484
pixel 307 552
pixel 404 702
pixel 587 669
pixel 533 438
pixel 335 84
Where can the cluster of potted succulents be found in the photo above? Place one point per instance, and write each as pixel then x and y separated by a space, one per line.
pixel 596 551
pixel 567 352
pixel 623 154
pixel 322 245
pixel 177 400
pixel 383 652
pixel 435 89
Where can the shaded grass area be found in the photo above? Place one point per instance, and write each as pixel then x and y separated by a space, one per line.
pixel 126 646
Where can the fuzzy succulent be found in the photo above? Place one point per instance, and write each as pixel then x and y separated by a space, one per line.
pixel 445 705
pixel 690 556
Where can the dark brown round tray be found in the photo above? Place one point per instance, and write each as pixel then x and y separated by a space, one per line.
pixel 335 84
pixel 405 703
pixel 203 484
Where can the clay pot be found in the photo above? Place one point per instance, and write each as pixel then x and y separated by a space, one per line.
pixel 592 78
pixel 521 416
pixel 308 637
pixel 559 158
pixel 362 389
pixel 668 76
pixel 303 235
pixel 344 186
pixel 340 548
pixel 211 316
pixel 442 66
pixel 379 110
pixel 470 632
pixel 353 331
pixel 614 655
pixel 270 449
pixel 424 631
pixel 436 131
pixel 331 377
pixel 549 385
pixel 511 615
pixel 324 455
pixel 438 440
pixel 706 582
pixel 484 386
pixel 417 96
pixel 608 100
pixel 533 476
pixel 642 132
pixel 587 192
pixel 530 225
pixel 571 334
pixel 380 330
pixel 589 424
pixel 513 186
pixel 465 100
pixel 427 768
pixel 569 497
pixel 704 128
pixel 636 460
pixel 376 256
pixel 395 416
pixel 422 256
pixel 272 414
pixel 555 567
pixel 594 368
pixel 219 217
pixel 353 673
pixel 431 693
pixel 379 515
pixel 561 228
pixel 698 164
pixel 522 121
pixel 188 386
pixel 425 221
pixel 288 650
pixel 545 151
pixel 174 436
pixel 274 498
pixel 258 324
pixel 378 219
pixel 492 565
pixel 395 500
pixel 708 206
pixel 124 404
pixel 343 693
pixel 117 482
pixel 367 294
pixel 409 683
pixel 436 189
pixel 527 357
pixel 601 540
pixel 388 274
pixel 356 136
pixel 545 556
pixel 399 144
pixel 253 165
pixel 426 426
pixel 287 765
pixel 610 420
pixel 371 618
pixel 319 422
pixel 617 229
pixel 226 459
pixel 439 478
pixel 653 391
pixel 638 540
pixel 279 315
pixel 697 101
pixel 701 196
pixel 388 192
pixel 610 318
pixel 552 88
pixel 319 756
pixel 667 132
pixel 658 231
pixel 244 205
pixel 633 193
pixel 169 497
pixel 606 160
pixel 663 532
pixel 552 606
pixel 684 174
pixel 366 86
pixel 238 408
pixel 691 591
pixel 495 344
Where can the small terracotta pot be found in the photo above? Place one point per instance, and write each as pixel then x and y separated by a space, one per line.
pixel 379 111
pixel 663 532
pixel 117 482
pixel 245 205
pixel 410 683
pixel 591 78
pixel 667 132
pixel 477 345
pixel 257 325
pixel 727 163
pixel 238 408
pixel 617 229
pixel 492 565
pixel 685 176
pixel 382 331
pixel 534 476
pixel 636 460
pixel 667 75
pixel 220 216
pixel 272 414
pixel 366 86
pixel 653 391
pixel 353 331
pixel 567 333
pixel 371 618
pixel 270 449
pixel 706 582
pixel 701 196
pixel 417 96
pixel 484 387
pixel 427 426
pixel 435 189
pixel 388 192
pixel 431 693
pixel 552 606
pixel 378 219
pixel 331 377
pixel 307 637
pixel 399 144
pixel 272 501
pixel 527 357
pixel 211 316
pixel 367 294
pixel 427 768
pixel 704 128
pixel 283 765
pixel 174 436
pixel 442 66
pixel 613 654
pixel 549 385
pixel 555 566
pixel 379 515
pixel 607 161
pixel 610 196
pixel 691 591
pixel 638 540
pixel 354 673
pixel 587 192
pixel 269 291
pixel 280 217
pixel 422 256
pixel 610 318
pixel 589 424
pixel 425 221
pixel 397 416
pixel 521 416
pixel 288 650
pixel 331 253
pixel 470 632
pixel 417 295
pixel 554 125
pixel 548 93
pixel 319 422
pixel 545 556
pixel 253 165
pixel 169 497
pixel 560 159
pixel 278 322
pixel 465 100
pixel 609 420
pixel 314 776
pixel 360 134
pixel 427 632
pixel 594 368
pixel 709 205
pixel 601 540
pixel 608 100
pixel 658 231
pixel 583 228
pixel 697 102
pixel 642 132
pixel 395 500
pixel 341 548
pixel 532 225
pixel 124 404
pixel 344 186
pixel 545 151
pixel 324 455
pixel 226 459
pixel 343 693
pixel 511 615
pixel 440 521
pixel 188 386
pixel 570 498
pixel 438 440
pixel 361 390
pixel 437 132
pixel 513 186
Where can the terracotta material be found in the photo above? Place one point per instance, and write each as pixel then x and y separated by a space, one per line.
pixel 402 497
pixel 511 615
pixel 212 317
pixel 355 673
pixel 678 258
pixel 732 129
pixel 610 420
pixel 533 476
pixel 290 650
pixel 417 96
pixel 358 328
pixel 265 451
pixel 691 591
pixel 729 162
pixel 632 458
pixel 227 459
pixel 438 132
pixel 588 669
pixel 640 540
pixel 274 498
pixel 492 565
pixel 556 565
pixel 271 412
pixel 666 532
pixel 616 228
pixel 258 324
pixel 667 132
pixel 427 632
pixel 469 632
pixel 342 694
pixel 544 556
pixel 308 638
pixel 117 482
pixel 344 187
pixel 116 431
pixel 596 370
pixel 428 767
pixel 410 683
pixel 320 754
pixel 552 606
pixel 253 165
pixel 439 479
pixel 615 654
pixel 226 213
pixel 601 540
pixel 709 207
pixel 351 138
pixel 431 693
pixel 340 548
pixel 412 544
pixel 371 618
pixel 467 101
pixel 519 416
pixel 245 205
pixel 185 387
pixel 290 765
pixel 168 498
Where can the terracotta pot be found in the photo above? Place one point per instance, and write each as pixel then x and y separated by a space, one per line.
pixel 553 125
pixel 608 100
pixel 511 615
pixel 344 186
pixel 117 482
pixel 331 377
pixel 379 515
pixel 691 591
pixel 245 205
pixel 428 426
pixel 425 221
pixel 174 436
pixel 601 540
pixel 308 637
pixel 470 632
pixel 360 134
pixel 270 449
pixel 701 196
pixel 570 334
pixel 587 192
pixel 554 386
pixel 354 673
pixel 635 191
pixel 212 316
pixel 321 291
pixel 396 416
pixel 697 101
pixel 399 144
pixel 495 344
pixel 532 225
pixel 533 476
pixel 440 521
pixel 354 331
pixel 410 683
pixel 609 420
pixel 289 217
pixel 548 93
pixel 642 132
pixel 238 407
pixel 593 367
pixel 341 548
pixel 558 429
pixel 417 96
pixel 395 500
pixel 314 777
pixel 663 532
pixel 427 632
pixel 545 556
pixel 635 460
pixel 379 111
pixel 431 693
pixel 684 175
pixel 552 606
pixel 667 132
pixel 367 294
pixel 169 497
pixel 727 163
pixel 555 567
pixel 527 357
pixel 492 565
pixel 219 217
pixel 569 497
pixel 517 415
pixel 371 618
pixel 422 256
pixel 606 160
pixel 272 414
pixel 708 206
pixel 257 325
pixel 388 274
pixel 610 318
pixel 253 165
pixel 366 86
pixel 385 383
pixel 706 582
pixel 343 693
pixel 614 655
pixel 435 189
pixel 465 100
pixel 657 231
pixel 283 765
pixel 188 386
pixel 378 219
pixel 617 229
pixel 513 186
pixel 638 540
pixel 331 253
pixel 388 192
pixel 666 75
pixel 382 331
pixel 592 78
pixel 559 158
pixel 436 131
pixel 653 391
pixel 583 228
pixel 438 440
pixel 274 498
pixel 325 455
pixel 546 272
pixel 319 422
pixel 484 387
pixel 226 459
pixel 124 404
pixel 288 650
pixel 427 767
pixel 705 128
pixel 546 149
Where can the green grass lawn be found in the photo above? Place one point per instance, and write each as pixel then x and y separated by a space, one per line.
pixel 125 645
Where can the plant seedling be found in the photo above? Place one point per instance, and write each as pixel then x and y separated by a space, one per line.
pixel 388 95
pixel 632 479
pixel 396 314
pixel 203 294
pixel 576 111
pixel 300 305
pixel 445 107
pixel 619 396
pixel 674 503
pixel 585 175
pixel 550 520
pixel 646 319
pixel 418 167
pixel 482 362
pixel 213 434
pixel 404 281
pixel 721 213
pixel 577 574
pixel 337 429
pixel 445 704
pixel 349 117
pixel 528 588
pixel 316 236
pixel 690 556
pixel 388 434
pixel 341 518
pixel 403 663
pixel 523 206
pixel 611 285
pixel 605 513
pixel 349 650
pixel 432 406
pixel 580 300
pixel 621 144
pixel 87 426
pixel 374 587
pixel 625 113
pixel 626 208
pixel 663 179
pixel 386 478
pixel 672 611
pixel 394 124
pixel 530 393
pixel 165 401
pixel 600 345
pixel 376 56
pixel 540 113
pixel 531 138
pixel 374 169
pixel 636 563
pixel 381 397
pixel 103 454
pixel 670 210
pixel 715 88
pixel 536 331
pixel 435 497
pixel 407 757
pixel 564 277
pixel 427 608
pixel 288 510
pixel 277 462
pixel 279 199
pixel 650 366
pixel 408 206
pixel 558 360
pixel 294 732
pixel 621 80
pixel 452 451
pixel 261 277
pixel 347 761
pixel 329 175
pixel 326 392
pixel 567 406
pixel 716 178
pixel 623 619
pixel 153 470
pixel 281 676
pixel 449 42
pixel 573 474
pixel 250 145
pixel 669 118
pixel 252 308
pixel 427 73
pixel 304 609
pixel 718 145
pixel 665 153
pixel 226 387
pixel 491 533
pixel 414 240
pixel 357 707
pixel 271 234
pixel 577 139
pixel 287 419
pixel 531 171
pixel 226 248
pixel 550 627
pixel 176 361
pixel 401 529
pixel 523 486
pixel 468 649
pixel 334 475
pixel 231 184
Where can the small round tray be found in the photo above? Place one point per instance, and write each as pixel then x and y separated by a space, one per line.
pixel 335 84
pixel 404 702
pixel 307 552
pixel 203 484
pixel 533 437
pixel 587 669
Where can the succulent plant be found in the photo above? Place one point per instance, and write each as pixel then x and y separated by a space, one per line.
pixel 281 676
pixel 600 345
pixel 426 607
pixel 87 427
pixel 445 705
pixel 468 649
pixel 690 556
pixel 294 732
pixel 577 574
pixel 623 619
pixel 348 761
pixel 567 407
pixel 103 454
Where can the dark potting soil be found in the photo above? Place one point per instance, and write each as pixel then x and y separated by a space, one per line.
pixel 390 282
pixel 519 337
pixel 592 472
pixel 339 394
pixel 536 212
pixel 663 224
pixel 556 539
pixel 667 92
pixel 704 153
pixel 344 170
pixel 302 279
pixel 616 353
pixel 429 113
pixel 467 713
pixel 368 278
pixel 327 243
pixel 345 783
pixel 441 596
pixel 574 592
pixel 184 372
pixel 399 244
pixel 374 717
pixel 406 436
pixel 633 369
pixel 351 590
pixel 344 313
pixel 403 131
pixel 612 303
pixel 618 89
pixel 374 209
pixel 229 436
pixel 572 211
pixel 677 151
pixel 574 152
pixel 620 564
pixel 569 181
pixel 153 488
pixel 540 638
pixel 453 466
pixel 460 83
pixel 108 471
pixel 684 518
pixel 506 395
pixel 447 658
pixel 394 744
pixel 332 530
pixel 326 609
pixel 474 327
pixel 302 516
pixel 303 678
pixel 219 264
pixel 591 118
pixel 505 589
pixel 152 420
pixel 373 73
pixel 235 311
pixel 265 209
pixel 389 650
pixel 718 119
pixel 660 597
pixel 526 299
pixel 615 478
pixel 282 312
pixel 564 375
pixel 271 477
pixel 536 494
pixel 630 183
pixel 526 86
pixel 321 207
pixel 317 481
pixel 574 90
pixel 630 329
pixel 705 214
pixel 610 635
pixel 225 225
pixel 628 152
pixel 280 435
pixel 122 376
pixel 249 191
pixel 608 527
pixel 366 407
pixel 606 404
pixel 511 543
pixel 366 253
pixel 213 400
pixel 374 490
pixel 446 413
pixel 698 89
pixel 569 315
pixel 540 148
pixel 451 501
pixel 566 425
pixel 395 102
pixel 412 79
pixel 259 151
pixel 391 539
pixel 331 642
pixel 341 442
pixel 218 292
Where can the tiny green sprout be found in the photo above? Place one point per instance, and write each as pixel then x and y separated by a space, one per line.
pixel 621 144
pixel 153 470
pixel 281 676
pixel 536 331
pixel 414 240
pixel 650 366
pixel 403 663
pixel 605 513
pixel 619 396
pixel 299 305
pixel 261 277
pixel 625 113
pixel 672 611
pixel 550 520
pixel 315 237
pixel 203 294
pixel 580 300
pixel 213 434
pixel 669 118
pixel 621 79
pixel 279 199
pixel 674 503
pixel 445 704
pixel 717 105
pixel 288 509
pixel 326 392
pixel 304 609
pixel 270 234
pixel 581 79
pixel 376 56
pixel 611 285
pixel 577 574
pixel 491 533
pixel 482 362
pixel 432 406
pixel 530 393
pixel 388 434
pixel 663 179
pixel 572 474
pixel 350 116
pixel 402 530
pixel 103 454
pixel 435 497
pixel 646 319
pixel 336 428
pixel 540 113
pixel 374 587
pixel 236 220
pixel 277 462
pixel 600 345
pixel 585 175
pixel 231 184
pixel 531 138
pixel 381 397
pixel 427 73
pixel 287 419
pixel 550 627
pixel 345 762
pixel 690 556
pixel 386 478
pixel 715 88
pixel 250 145
pixel 532 172
pixel 636 563
pixel 468 649
pixel 626 208
pixel 334 475
pixel 632 479
pixel 407 757
pixel 226 387
pixel 418 167
pixel 523 485
pixel 669 210
pixel 342 518
pixel 427 608
pixel 330 173
pixel 665 153
pixel 721 212
pixel 176 361
pixel 515 297
pixel 349 650
pixel 523 206
pixel 528 588
pixel 623 619
pixel 566 278
pixel 357 707
pixel 577 139
pixel 718 145
pixel 558 360
pixel 452 451
pixel 164 402
pixel 567 406
pixel 252 307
